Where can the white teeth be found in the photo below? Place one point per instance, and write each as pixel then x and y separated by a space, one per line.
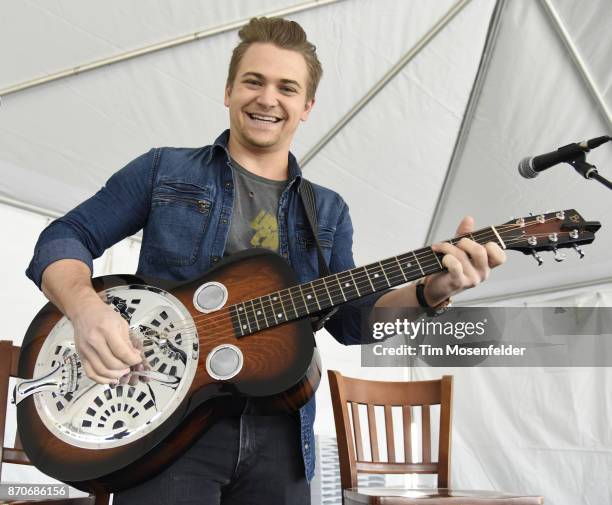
pixel 265 118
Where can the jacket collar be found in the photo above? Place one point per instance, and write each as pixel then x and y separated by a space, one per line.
pixel 220 145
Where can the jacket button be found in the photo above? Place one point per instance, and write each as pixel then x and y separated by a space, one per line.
pixel 306 446
pixel 228 185
pixel 216 259
pixel 224 221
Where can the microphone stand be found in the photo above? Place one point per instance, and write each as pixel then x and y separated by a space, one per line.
pixel 587 170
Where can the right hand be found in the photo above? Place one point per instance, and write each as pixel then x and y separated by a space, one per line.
pixel 102 340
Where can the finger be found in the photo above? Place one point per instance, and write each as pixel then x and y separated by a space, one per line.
pixel 104 353
pixel 95 362
pixel 465 226
pixel 89 371
pixel 454 267
pixel 120 347
pixel 496 255
pixel 477 255
pixel 468 277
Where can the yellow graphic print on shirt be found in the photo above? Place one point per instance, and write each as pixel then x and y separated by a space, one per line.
pixel 266 231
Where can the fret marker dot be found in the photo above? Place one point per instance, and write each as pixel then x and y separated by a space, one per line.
pixel 244 326
pixel 240 309
pixel 408 264
pixel 275 298
pixel 309 296
pixel 347 284
pixel 375 275
pixel 259 312
pixel 280 316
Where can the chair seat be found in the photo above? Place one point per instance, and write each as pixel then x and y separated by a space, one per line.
pixel 439 496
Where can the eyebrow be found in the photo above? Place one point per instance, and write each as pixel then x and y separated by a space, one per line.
pixel 263 78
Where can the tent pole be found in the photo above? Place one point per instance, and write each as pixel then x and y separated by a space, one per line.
pixel 466 121
pixel 384 80
pixel 192 37
pixel 578 61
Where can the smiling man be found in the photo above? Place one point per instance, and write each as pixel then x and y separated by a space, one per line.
pixel 197 205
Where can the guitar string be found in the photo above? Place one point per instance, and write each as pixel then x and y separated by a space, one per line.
pixel 362 280
pixel 363 277
pixel 229 330
pixel 223 317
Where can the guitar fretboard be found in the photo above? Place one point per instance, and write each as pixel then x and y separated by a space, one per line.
pixel 312 297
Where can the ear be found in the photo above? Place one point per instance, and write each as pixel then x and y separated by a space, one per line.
pixel 307 108
pixel 226 97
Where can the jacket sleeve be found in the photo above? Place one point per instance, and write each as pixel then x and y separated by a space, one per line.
pixel 346 324
pixel 116 211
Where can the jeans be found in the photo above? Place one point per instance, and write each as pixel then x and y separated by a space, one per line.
pixel 250 459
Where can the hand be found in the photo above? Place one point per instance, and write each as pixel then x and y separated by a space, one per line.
pixel 102 341
pixel 468 264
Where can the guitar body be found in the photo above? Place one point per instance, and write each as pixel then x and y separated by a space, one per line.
pixel 103 438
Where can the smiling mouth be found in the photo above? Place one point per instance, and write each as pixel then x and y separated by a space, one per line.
pixel 264 119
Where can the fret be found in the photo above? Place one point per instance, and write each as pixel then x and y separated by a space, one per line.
pixel 377 277
pixel 406 264
pixel 311 296
pixel 340 286
pixel 235 317
pixel 250 317
pixel 277 308
pixel 263 310
pixel 418 263
pixel 501 242
pixel 354 283
pixel 437 259
pixel 363 280
pixel 347 283
pixel 255 315
pixel 400 267
pixel 384 273
pixel 320 292
pixel 293 303
pixel 304 307
pixel 244 320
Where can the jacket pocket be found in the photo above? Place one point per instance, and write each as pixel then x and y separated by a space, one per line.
pixel 180 213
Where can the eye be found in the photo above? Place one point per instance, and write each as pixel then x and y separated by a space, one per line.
pixel 288 89
pixel 253 82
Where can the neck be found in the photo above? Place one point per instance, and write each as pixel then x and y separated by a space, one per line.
pixel 269 163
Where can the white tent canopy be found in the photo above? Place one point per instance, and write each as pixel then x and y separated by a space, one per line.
pixel 423 113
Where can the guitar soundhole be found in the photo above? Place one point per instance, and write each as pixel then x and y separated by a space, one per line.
pixel 210 297
pixel 224 362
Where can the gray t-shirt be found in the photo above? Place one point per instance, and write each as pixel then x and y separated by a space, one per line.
pixel 254 217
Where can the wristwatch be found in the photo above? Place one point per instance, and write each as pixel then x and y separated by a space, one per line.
pixel 436 310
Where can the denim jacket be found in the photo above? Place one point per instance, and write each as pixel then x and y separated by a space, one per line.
pixel 181 241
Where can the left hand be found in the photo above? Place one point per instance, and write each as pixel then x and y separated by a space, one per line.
pixel 468 264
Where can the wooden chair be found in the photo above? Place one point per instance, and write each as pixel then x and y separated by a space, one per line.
pixel 9 358
pixel 409 397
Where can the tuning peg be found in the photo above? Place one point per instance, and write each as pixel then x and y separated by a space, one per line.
pixel 537 257
pixel 559 257
pixel 578 249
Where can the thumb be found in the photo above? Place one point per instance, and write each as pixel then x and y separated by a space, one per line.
pixel 465 226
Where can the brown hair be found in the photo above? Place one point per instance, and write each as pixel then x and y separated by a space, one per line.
pixel 283 34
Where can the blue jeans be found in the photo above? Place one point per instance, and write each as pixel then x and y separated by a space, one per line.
pixel 247 460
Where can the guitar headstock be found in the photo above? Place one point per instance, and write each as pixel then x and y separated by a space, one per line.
pixel 548 232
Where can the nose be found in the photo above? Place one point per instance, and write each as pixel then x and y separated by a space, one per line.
pixel 267 97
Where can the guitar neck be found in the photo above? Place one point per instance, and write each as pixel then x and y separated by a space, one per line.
pixel 326 292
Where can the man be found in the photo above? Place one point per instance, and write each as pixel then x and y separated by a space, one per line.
pixel 197 205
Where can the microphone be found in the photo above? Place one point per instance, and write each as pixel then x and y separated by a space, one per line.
pixel 530 167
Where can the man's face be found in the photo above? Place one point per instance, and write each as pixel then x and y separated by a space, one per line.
pixel 267 99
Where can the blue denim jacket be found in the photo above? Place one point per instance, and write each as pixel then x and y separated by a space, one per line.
pixel 183 240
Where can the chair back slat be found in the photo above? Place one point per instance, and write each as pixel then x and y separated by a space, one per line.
pixel 426 434
pixel 407 395
pixel 357 430
pixel 407 422
pixel 373 434
pixel 389 434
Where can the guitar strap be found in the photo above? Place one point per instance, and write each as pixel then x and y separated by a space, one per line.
pixel 310 206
